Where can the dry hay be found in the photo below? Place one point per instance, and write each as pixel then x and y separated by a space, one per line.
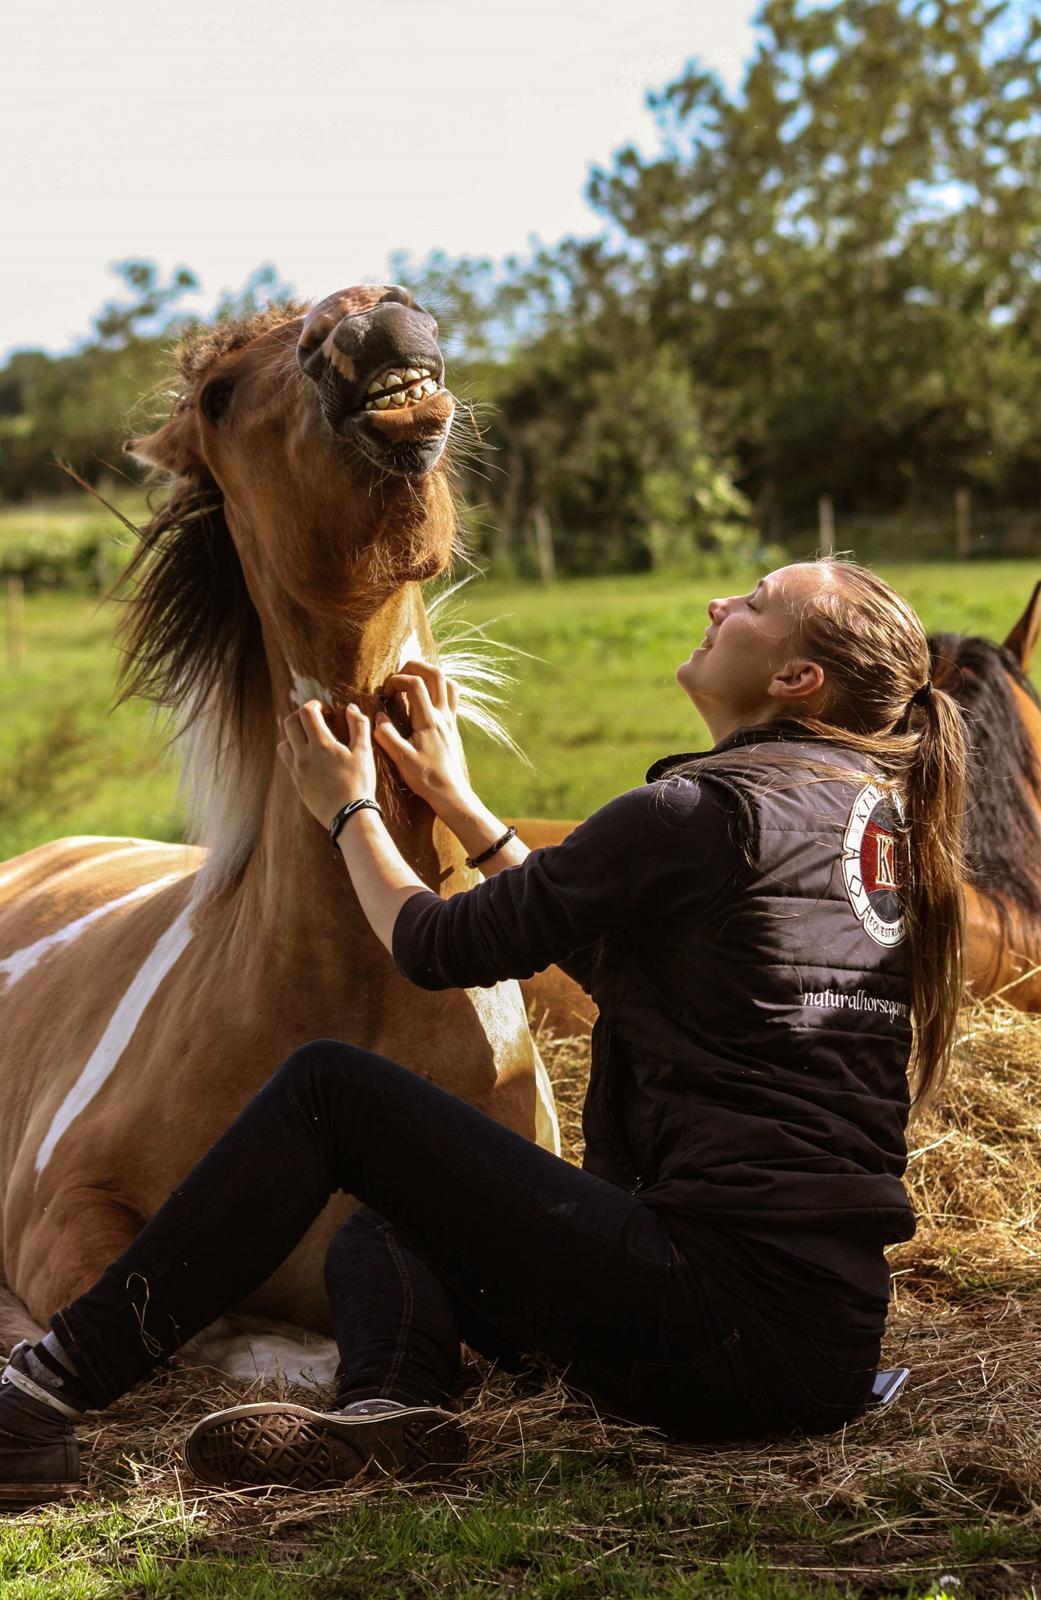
pixel 961 1445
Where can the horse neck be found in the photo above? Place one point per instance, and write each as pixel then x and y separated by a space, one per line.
pixel 294 881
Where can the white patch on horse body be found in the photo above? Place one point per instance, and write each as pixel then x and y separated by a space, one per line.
pixel 15 966
pixel 504 1020
pixel 305 688
pixel 249 1348
pixel 120 1030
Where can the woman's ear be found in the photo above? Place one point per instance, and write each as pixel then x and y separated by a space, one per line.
pixel 798 680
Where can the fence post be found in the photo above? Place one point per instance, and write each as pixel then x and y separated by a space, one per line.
pixel 544 546
pixel 826 517
pixel 962 523
pixel 15 621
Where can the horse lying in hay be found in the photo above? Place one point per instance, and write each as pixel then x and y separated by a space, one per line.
pixel 147 991
pixel 1002 894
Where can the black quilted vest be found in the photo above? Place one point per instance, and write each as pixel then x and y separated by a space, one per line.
pixel 768 1089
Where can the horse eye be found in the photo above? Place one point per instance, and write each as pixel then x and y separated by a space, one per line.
pixel 214 399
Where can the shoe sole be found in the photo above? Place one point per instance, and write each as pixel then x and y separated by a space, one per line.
pixel 34 1494
pixel 294 1447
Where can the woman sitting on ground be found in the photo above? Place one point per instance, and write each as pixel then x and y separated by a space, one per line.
pixel 758 924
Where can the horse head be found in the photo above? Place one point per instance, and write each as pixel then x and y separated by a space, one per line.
pixel 308 495
pixel 323 435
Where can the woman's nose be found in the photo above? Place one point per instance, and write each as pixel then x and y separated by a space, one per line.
pixel 716 610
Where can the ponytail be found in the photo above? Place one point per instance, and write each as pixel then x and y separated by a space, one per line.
pixel 934 788
pixel 882 703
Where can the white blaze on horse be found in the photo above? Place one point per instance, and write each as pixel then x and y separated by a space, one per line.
pixel 147 991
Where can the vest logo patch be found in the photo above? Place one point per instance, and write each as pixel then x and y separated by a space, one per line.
pixel 870 853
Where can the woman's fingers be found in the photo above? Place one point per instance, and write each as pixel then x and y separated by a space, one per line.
pixel 442 691
pixel 414 688
pixel 312 720
pixel 296 734
pixel 432 676
pixel 385 734
pixel 401 752
pixel 358 727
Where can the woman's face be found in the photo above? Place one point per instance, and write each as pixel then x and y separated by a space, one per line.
pixel 735 676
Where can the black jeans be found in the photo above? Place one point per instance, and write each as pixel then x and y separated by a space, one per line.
pixel 466 1232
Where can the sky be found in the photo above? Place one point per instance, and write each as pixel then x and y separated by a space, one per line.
pixel 220 134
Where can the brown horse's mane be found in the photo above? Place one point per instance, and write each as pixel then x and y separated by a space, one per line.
pixel 192 645
pixel 1003 779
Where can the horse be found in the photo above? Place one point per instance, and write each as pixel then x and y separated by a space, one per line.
pixel 148 990
pixel 1002 819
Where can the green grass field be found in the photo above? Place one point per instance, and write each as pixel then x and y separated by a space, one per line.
pixel 595 701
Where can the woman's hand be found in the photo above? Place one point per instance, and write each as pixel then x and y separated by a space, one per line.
pixel 431 759
pixel 327 773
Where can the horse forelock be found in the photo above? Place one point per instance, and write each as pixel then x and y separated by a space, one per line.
pixel 200 347
pixel 1002 819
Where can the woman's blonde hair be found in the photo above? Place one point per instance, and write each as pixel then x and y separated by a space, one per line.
pixel 875 658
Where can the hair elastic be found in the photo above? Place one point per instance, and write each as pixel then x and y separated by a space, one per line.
pixel 923 695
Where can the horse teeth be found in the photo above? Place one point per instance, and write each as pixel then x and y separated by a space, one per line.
pixel 374 387
pixel 428 386
pixel 416 392
pixel 399 399
pixel 411 376
pixel 381 402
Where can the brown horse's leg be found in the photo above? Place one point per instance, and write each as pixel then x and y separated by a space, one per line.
pixel 15 1322
pixel 68 1248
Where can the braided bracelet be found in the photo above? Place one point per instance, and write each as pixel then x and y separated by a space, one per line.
pixel 492 850
pixel 348 811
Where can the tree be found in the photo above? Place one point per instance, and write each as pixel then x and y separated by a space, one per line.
pixel 80 407
pixel 843 246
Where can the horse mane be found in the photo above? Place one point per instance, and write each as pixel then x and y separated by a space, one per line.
pixel 1003 777
pixel 192 645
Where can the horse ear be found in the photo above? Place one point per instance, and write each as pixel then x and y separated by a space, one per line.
pixel 1024 635
pixel 172 448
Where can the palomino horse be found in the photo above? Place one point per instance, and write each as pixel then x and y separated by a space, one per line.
pixel 1002 894
pixel 147 991
pixel 1003 805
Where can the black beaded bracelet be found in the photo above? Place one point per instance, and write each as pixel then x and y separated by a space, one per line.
pixel 492 850
pixel 348 811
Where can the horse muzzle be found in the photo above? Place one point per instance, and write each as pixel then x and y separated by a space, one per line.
pixel 373 354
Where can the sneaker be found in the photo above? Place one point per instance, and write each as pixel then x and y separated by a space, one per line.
pixel 277 1443
pixel 39 1456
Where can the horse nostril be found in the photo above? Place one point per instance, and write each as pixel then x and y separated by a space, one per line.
pixel 309 357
